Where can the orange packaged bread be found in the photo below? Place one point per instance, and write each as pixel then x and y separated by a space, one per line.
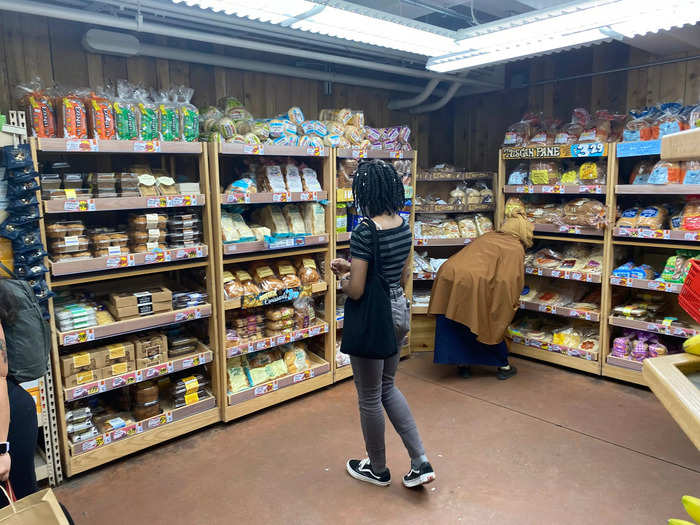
pixel 307 270
pixel 101 117
pixel 39 108
pixel 265 277
pixel 666 172
pixel 285 269
pixel 71 116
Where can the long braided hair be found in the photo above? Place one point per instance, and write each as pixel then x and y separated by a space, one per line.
pixel 377 188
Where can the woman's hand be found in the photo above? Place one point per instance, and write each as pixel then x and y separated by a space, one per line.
pixel 5 464
pixel 340 266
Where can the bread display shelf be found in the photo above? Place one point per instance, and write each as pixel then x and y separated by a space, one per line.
pixel 168 417
pixel 146 322
pixel 318 368
pixel 343 372
pixel 564 274
pixel 559 189
pixel 441 242
pixel 122 203
pixel 346 195
pixel 564 151
pixel 658 328
pixel 277 340
pixel 664 235
pixel 273 150
pixel 569 230
pixel 560 310
pixel 274 297
pixel 343 236
pixel 622 362
pixel 646 284
pixel 638 149
pixel 273 198
pixel 424 276
pixel 455 177
pixel 118 146
pixel 452 208
pixel 99 264
pixel 657 189
pixel 544 346
pixel 287 243
pixel 203 356
pixel 419 309
pixel 667 377
pixel 357 153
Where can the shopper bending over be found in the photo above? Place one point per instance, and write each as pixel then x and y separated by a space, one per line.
pixel 379 195
pixel 475 296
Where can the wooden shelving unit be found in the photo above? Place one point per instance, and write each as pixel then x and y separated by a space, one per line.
pixel 221 156
pixel 98 155
pixel 422 324
pixel 572 358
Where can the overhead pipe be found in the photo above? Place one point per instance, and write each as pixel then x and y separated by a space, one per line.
pixel 438 103
pixel 418 99
pixel 114 22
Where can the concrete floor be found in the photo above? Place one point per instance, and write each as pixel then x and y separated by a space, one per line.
pixel 546 447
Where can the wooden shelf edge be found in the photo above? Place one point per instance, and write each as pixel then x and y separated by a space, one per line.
pixel 96 204
pixel 623 374
pixel 576 363
pixel 342 373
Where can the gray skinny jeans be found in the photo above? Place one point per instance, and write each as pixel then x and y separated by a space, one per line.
pixel 374 379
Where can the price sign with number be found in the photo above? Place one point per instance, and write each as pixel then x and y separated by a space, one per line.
pixel 595 149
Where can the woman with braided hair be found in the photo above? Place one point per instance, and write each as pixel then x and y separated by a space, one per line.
pixel 379 196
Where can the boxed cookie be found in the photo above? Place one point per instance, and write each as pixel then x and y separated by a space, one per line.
pixel 156 294
pixel 129 312
pixel 79 362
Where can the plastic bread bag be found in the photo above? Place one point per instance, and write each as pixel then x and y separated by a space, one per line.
pixel 519 175
pixel 483 224
pixel 208 117
pixel 485 193
pixel 310 179
pixel 597 128
pixel 270 179
pixel 168 115
pixel 672 119
pixel 691 171
pixel 147 116
pixel 592 173
pixel 261 129
pixel 249 287
pixel 271 217
pixel 237 379
pixel 544 172
pixel 514 206
pixel 292 177
pixel 690 220
pixel 295 222
pixel 584 212
pixel 673 269
pixel 629 218
pixel 304 312
pixel 314 215
pixel 517 134
pixel 295 115
pixel 39 108
pixel 285 269
pixel 666 172
pixel 188 114
pixel 101 116
pixel 641 172
pixel 265 277
pixel 71 116
pixel 652 217
pixel 568 133
pixel 296 357
pixel 232 286
pixel 307 270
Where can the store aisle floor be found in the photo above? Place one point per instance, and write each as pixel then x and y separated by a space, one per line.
pixel 546 447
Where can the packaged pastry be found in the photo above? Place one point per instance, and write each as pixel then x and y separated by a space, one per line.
pixel 154 235
pixel 148 221
pixel 309 180
pixel 285 269
pixel 296 358
pixel 182 400
pixel 517 134
pixel 110 251
pixel 143 411
pixel 295 222
pixel 183 345
pixel 544 172
pixel 113 421
pixel 279 313
pixel 70 244
pixel 629 218
pixel 652 217
pixel 148 247
pixel 314 215
pixel 666 172
pixel 183 221
pixel 166 186
pixel 147 185
pixel 246 280
pixel 188 384
pixel 307 270
pixel 265 277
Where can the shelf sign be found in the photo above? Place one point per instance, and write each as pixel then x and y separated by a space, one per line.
pixel 535 152
pixel 82 145
pixel 634 149
pixel 303 376
pixel 594 149
pixel 308 196
pixel 79 205
pixel 237 197
pixel 253 149
pixel 146 146
pixel 315 151
pixel 266 388
pixel 188 315
pixel 81 336
pixel 155 258
pixel 122 261
pixel 359 153
pixel 396 154
pixel 188 253
pixel 282 197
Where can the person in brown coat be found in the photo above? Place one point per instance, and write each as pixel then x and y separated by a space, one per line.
pixel 475 297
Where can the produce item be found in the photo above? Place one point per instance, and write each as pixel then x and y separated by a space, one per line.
pixel 101 117
pixel 71 116
pixel 307 270
pixel 265 277
pixel 666 172
pixel 39 109
pixel 544 172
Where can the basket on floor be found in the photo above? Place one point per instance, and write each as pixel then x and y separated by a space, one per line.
pixel 689 298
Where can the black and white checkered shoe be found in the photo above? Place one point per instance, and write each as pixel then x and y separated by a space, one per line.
pixel 362 470
pixel 425 474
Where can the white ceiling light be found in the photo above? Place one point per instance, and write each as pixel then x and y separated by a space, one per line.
pixel 556 29
pixel 340 19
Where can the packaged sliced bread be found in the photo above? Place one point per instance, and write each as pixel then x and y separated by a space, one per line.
pixel 295 222
pixel 270 179
pixel 309 180
pixel 292 178
pixel 314 218
pixel 271 217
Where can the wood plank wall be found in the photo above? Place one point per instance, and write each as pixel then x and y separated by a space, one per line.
pixel 480 121
pixel 51 49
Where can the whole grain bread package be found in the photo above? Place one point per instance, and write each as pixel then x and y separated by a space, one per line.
pixel 271 217
pixel 641 172
pixel 592 173
pixel 270 179
pixel 544 172
pixel 295 222
pixel 314 216
pixel 292 177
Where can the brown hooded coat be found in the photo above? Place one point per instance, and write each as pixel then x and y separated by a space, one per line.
pixel 480 285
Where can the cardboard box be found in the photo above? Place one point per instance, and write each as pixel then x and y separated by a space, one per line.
pixel 157 294
pixel 79 362
pixel 681 146
pixel 115 353
pixel 147 362
pixel 118 369
pixel 150 344
pixel 130 312
pixel 81 378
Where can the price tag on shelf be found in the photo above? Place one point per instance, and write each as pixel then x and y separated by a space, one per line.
pixel 303 376
pixel 657 285
pixel 123 261
pixel 82 145
pixel 576 276
pixel 359 153
pixel 146 146
pixel 262 344
pixel 157 202
pixel 314 151
pixel 187 315
pixel 253 149
pixel 396 154
pixel 547 308
pixel 555 273
pixel 547 189
pixel 281 197
pixel 176 200
pixel 539 271
pixel 265 389
pixel 154 258
pixel 308 196
pixel 594 149
pixel 75 205
pixel 690 236
pixel 237 198
pixel 80 336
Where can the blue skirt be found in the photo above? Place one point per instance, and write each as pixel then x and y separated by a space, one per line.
pixel 455 344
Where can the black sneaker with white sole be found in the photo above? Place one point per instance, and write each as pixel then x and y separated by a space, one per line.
pixel 362 470
pixel 421 476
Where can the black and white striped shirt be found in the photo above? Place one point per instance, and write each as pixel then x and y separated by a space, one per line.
pixel 394 247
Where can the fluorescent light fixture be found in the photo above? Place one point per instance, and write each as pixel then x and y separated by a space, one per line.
pixel 343 20
pixel 571 25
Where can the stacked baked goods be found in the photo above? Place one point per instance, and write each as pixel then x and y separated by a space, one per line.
pixel 268 276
